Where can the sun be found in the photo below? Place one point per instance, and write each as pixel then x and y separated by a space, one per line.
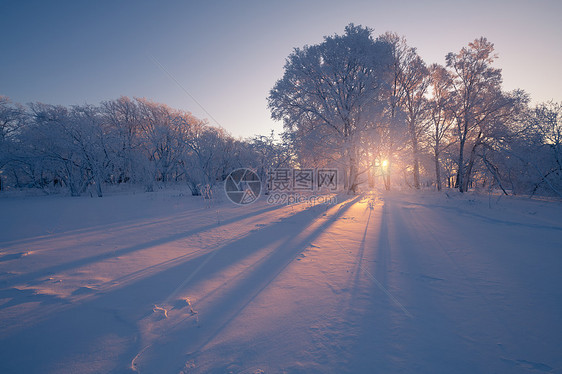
pixel 384 163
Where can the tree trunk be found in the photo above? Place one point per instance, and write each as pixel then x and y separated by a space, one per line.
pixel 386 177
pixel 471 161
pixel 415 155
pixel 416 173
pixel 351 160
pixel 352 184
pixel 370 178
pixel 352 179
pixel 437 171
pixel 98 187
pixel 494 171
pixel 460 172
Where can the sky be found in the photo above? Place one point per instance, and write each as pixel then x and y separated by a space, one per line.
pixel 219 59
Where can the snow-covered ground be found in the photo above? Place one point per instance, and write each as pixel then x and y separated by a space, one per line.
pixel 382 282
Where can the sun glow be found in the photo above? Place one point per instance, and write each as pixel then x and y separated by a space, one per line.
pixel 384 163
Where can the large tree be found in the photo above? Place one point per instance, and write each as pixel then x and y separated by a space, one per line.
pixel 478 99
pixel 410 82
pixel 440 116
pixel 330 89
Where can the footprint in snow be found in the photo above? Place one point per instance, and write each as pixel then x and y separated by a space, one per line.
pixel 160 312
pixel 183 303
pixel 186 303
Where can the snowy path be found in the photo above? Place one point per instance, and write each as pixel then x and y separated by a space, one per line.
pixel 378 283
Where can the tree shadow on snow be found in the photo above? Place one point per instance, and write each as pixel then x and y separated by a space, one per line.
pixel 75 329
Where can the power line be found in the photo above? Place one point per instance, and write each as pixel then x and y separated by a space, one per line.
pixel 155 60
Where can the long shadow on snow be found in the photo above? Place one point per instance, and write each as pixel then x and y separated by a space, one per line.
pixel 75 329
pixel 130 223
pixel 467 213
pixel 391 341
pixel 370 310
pixel 33 276
pixel 241 290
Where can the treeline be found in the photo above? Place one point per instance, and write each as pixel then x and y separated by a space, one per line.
pixel 125 141
pixel 373 106
pixel 367 105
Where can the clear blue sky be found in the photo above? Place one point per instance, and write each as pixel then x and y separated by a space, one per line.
pixel 228 54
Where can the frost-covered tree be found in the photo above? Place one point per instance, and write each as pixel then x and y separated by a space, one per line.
pixel 547 120
pixel 119 141
pixel 410 83
pixel 543 148
pixel 478 99
pixel 123 117
pixel 206 159
pixel 271 153
pixel 440 116
pixel 12 119
pixel 74 142
pixel 329 89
